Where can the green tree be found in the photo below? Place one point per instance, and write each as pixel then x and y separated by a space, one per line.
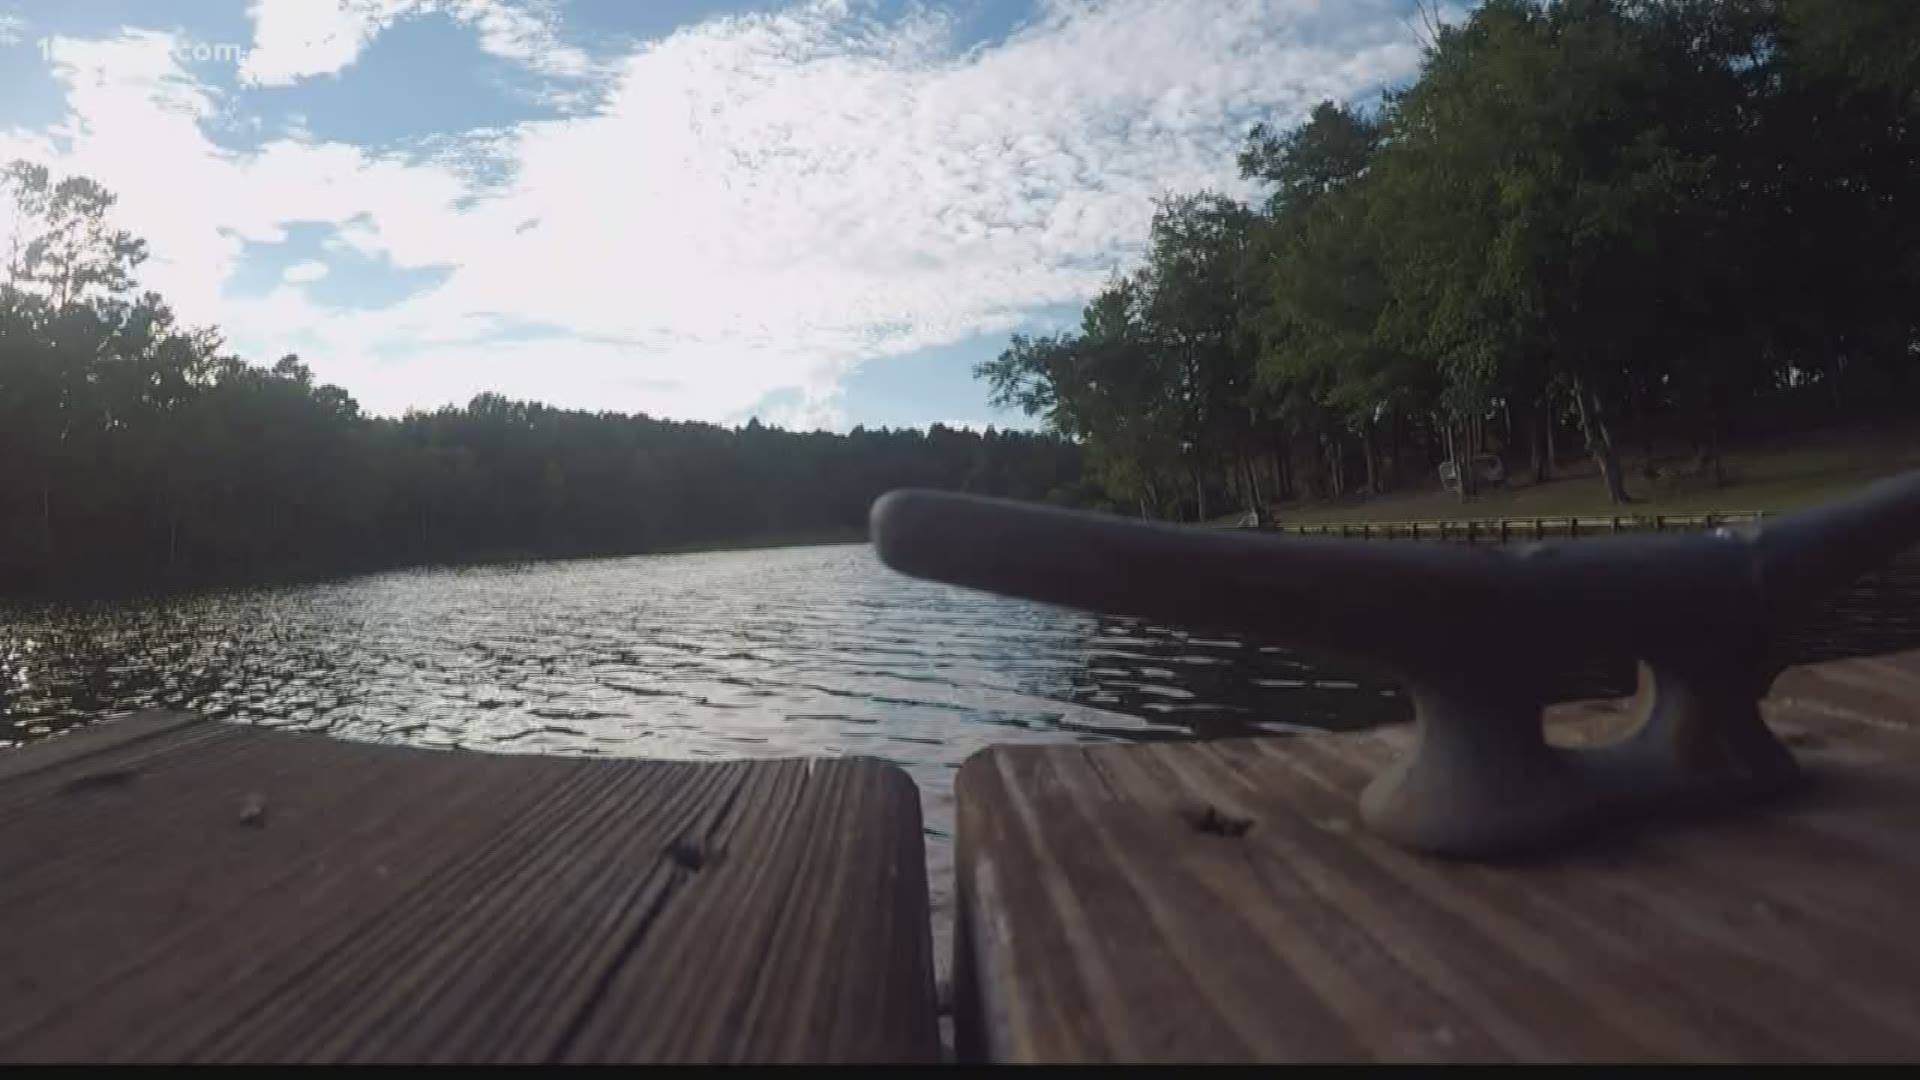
pixel 62 243
pixel 1526 167
pixel 1875 44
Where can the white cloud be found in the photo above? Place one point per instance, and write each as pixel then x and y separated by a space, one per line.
pixel 305 272
pixel 527 35
pixel 135 123
pixel 13 28
pixel 817 407
pixel 297 39
pixel 756 203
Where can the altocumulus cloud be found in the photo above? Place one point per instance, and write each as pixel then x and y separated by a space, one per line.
pixel 304 272
pixel 750 204
pixel 298 39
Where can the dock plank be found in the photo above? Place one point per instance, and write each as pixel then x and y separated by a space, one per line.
pixel 1194 901
pixel 197 891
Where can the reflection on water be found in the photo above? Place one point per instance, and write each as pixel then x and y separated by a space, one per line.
pixel 722 654
pixel 803 650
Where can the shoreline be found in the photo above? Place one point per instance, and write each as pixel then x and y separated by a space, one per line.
pixel 95 590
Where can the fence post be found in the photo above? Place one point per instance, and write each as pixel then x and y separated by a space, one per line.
pixel 1659 523
pixel 1443 530
pixel 1472 528
pixel 1573 527
pixel 1503 530
pixel 1539 529
pixel 1709 521
pixel 1616 523
pixel 1366 532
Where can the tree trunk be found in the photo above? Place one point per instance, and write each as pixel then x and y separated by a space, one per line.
pixel 1336 476
pixel 1553 455
pixel 1199 495
pixel 1536 450
pixel 1253 492
pixel 1593 423
pixel 1366 450
pixel 1708 456
pixel 1463 463
pixel 1394 451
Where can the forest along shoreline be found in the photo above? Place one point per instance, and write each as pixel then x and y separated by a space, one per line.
pixel 1636 240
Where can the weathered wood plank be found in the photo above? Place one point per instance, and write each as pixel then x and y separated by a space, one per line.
pixel 71 746
pixel 1220 901
pixel 212 892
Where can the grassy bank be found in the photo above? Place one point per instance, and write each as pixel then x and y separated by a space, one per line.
pixel 1777 474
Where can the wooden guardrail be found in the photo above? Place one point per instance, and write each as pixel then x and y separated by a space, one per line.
pixel 1501 530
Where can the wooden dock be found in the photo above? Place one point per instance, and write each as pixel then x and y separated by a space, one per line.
pixel 1219 901
pixel 179 890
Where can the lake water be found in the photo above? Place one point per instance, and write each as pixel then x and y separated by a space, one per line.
pixel 713 655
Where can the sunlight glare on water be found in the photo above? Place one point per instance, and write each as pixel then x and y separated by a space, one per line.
pixel 798 651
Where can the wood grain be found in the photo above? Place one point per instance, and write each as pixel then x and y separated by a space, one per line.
pixel 1220 901
pixel 212 892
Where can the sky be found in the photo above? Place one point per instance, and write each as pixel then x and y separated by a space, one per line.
pixel 819 213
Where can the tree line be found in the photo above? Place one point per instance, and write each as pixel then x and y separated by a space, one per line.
pixel 1670 221
pixel 1591 221
pixel 135 450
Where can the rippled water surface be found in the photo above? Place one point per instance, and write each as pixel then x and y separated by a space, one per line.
pixel 724 654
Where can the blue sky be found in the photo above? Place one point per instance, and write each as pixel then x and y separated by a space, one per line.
pixel 821 213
